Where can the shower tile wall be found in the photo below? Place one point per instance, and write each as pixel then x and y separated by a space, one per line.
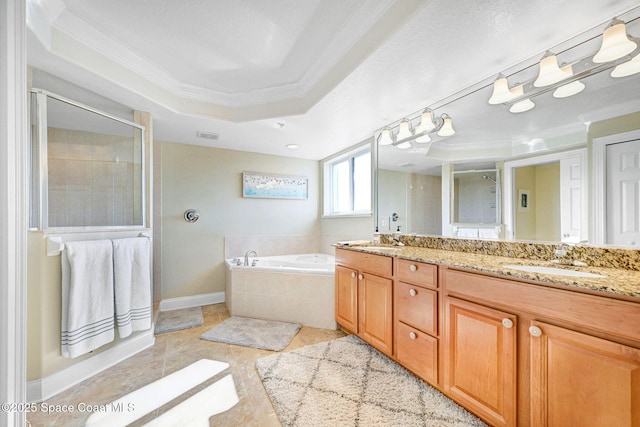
pixel 94 179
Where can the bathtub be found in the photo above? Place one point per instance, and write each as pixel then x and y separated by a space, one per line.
pixel 289 288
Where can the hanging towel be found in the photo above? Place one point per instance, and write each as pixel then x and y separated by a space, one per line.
pixel 488 233
pixel 87 296
pixel 467 232
pixel 132 283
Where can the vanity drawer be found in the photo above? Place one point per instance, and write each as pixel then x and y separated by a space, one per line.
pixel 417 306
pixel 379 265
pixel 417 351
pixel 417 272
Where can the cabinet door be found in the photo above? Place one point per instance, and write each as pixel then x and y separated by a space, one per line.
pixel 375 322
pixel 480 360
pixel 347 298
pixel 581 380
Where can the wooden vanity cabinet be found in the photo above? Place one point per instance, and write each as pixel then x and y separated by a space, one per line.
pixel 346 305
pixel 480 360
pixel 364 297
pixel 579 379
pixel 416 318
pixel 576 356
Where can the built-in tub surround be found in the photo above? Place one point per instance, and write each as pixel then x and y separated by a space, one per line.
pixel 620 267
pixel 293 288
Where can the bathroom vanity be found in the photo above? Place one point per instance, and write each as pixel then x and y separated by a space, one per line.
pixel 514 347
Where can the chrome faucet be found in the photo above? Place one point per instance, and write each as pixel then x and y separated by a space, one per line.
pixel 246 256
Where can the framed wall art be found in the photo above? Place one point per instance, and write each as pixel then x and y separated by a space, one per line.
pixel 270 186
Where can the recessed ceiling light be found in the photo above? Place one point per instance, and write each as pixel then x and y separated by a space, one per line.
pixel 292 146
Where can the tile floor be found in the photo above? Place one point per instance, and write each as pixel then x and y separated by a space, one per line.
pixel 173 351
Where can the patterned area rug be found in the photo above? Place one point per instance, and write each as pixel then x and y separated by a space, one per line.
pixel 346 382
pixel 175 320
pixel 264 334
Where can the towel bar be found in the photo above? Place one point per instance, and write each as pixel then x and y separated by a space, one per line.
pixel 55 244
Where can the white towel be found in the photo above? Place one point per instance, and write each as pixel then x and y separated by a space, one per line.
pixel 467 232
pixel 132 284
pixel 87 296
pixel 488 233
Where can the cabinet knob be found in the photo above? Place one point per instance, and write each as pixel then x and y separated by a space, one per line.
pixel 413 267
pixel 535 331
pixel 353 274
pixel 413 292
pixel 412 335
pixel 507 323
pixel 360 277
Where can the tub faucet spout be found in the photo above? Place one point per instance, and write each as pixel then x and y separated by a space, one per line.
pixel 246 256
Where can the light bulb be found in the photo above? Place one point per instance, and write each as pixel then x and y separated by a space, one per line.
pixel 502 93
pixel 550 72
pixel 615 43
pixel 404 131
pixel 423 139
pixel 569 89
pixel 385 137
pixel 447 126
pixel 426 121
pixel 522 106
pixel 627 68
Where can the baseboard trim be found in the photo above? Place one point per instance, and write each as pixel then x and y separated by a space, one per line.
pixel 191 301
pixel 44 388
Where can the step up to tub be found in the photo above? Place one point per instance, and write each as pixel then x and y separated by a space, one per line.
pixel 143 401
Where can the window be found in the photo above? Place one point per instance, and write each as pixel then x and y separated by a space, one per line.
pixel 347 183
pixel 88 169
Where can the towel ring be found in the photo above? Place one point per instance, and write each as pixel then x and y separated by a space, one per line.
pixel 191 215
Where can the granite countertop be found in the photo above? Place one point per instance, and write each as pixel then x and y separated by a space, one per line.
pixel 616 281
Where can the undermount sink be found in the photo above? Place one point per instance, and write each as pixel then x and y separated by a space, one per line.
pixel 551 270
pixel 391 248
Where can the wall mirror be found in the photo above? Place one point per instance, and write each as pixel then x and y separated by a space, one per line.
pixel 475 197
pixel 543 198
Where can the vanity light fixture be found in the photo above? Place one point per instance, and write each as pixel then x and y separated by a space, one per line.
pixel 522 106
pixel 627 68
pixel 569 89
pixel 550 72
pixel 615 43
pixel 385 137
pixel 617 50
pixel 404 130
pixel 501 91
pixel 447 127
pixel 427 125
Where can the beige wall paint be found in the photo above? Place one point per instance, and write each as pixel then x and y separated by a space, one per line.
pixel 542 220
pixel 547 204
pixel 525 219
pixel 210 180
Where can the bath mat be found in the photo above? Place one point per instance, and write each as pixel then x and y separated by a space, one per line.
pixel 175 320
pixel 347 382
pixel 257 333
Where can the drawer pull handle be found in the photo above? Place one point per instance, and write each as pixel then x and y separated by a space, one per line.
pixel 412 335
pixel 360 277
pixel 413 292
pixel 413 267
pixel 535 331
pixel 507 323
pixel 353 274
